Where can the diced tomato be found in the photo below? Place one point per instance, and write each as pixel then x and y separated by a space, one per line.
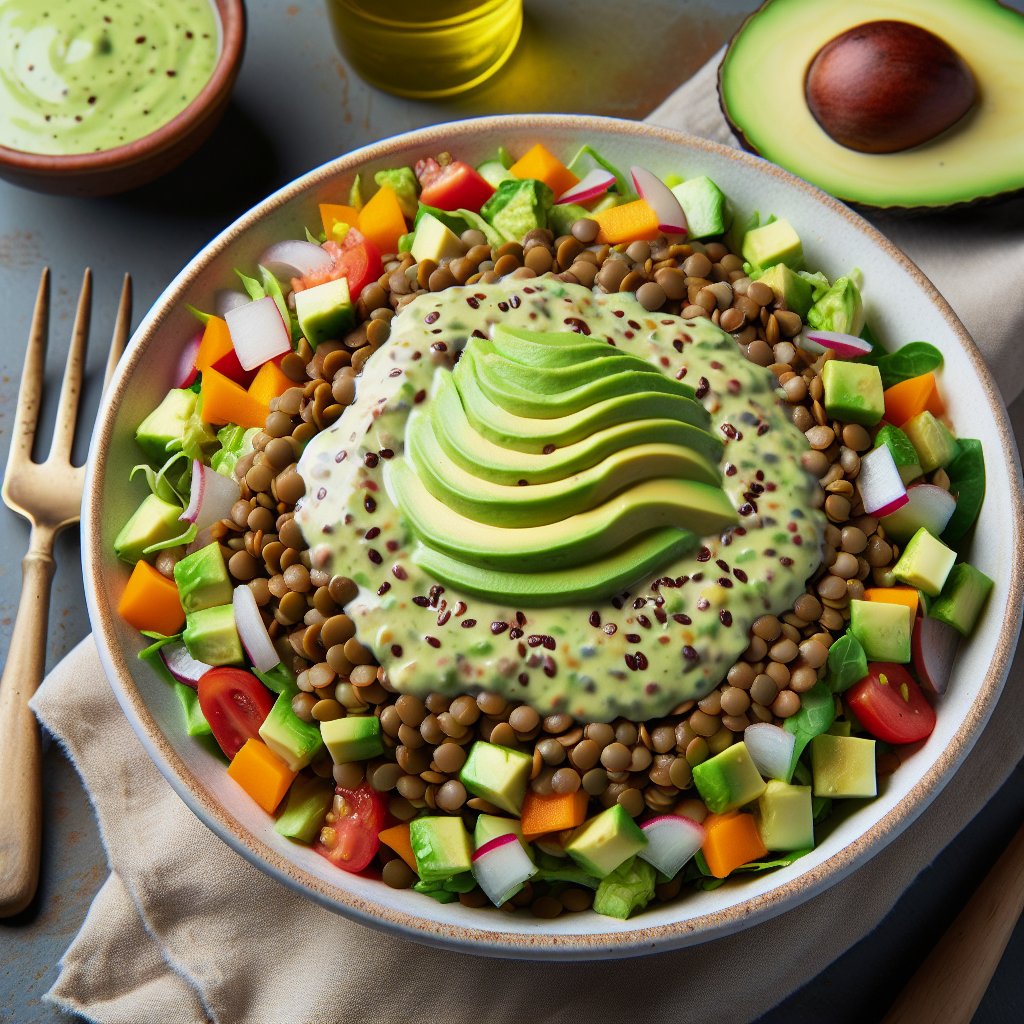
pixel 426 170
pixel 455 187
pixel 355 258
pixel 235 703
pixel 890 704
pixel 229 365
pixel 349 841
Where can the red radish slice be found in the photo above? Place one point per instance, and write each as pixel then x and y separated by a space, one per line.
pixel 186 372
pixel 880 483
pixel 594 184
pixel 182 665
pixel 294 258
pixel 210 498
pixel 258 332
pixel 771 749
pixel 933 648
pixel 500 867
pixel 671 841
pixel 650 187
pixel 927 505
pixel 227 299
pixel 846 346
pixel 252 632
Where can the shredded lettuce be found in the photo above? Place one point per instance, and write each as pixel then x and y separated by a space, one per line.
pixel 629 887
pixel 195 723
pixel 840 308
pixel 517 206
pixel 186 537
pixel 272 287
pixel 315 239
pixel 235 442
pixel 355 193
pixel 446 890
pixel 254 289
pixel 561 869
pixel 159 483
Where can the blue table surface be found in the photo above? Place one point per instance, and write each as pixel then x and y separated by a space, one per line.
pixel 296 105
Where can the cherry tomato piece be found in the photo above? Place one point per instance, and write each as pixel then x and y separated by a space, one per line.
pixel 348 838
pixel 235 703
pixel 890 704
pixel 355 258
pixel 457 186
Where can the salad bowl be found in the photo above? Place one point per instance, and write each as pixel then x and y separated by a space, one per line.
pixel 901 305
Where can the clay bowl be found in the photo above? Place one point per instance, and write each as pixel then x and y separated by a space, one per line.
pixel 136 163
pixel 902 304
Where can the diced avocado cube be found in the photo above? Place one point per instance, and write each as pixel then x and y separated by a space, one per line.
pixel 784 817
pixel 308 801
pixel 704 204
pixel 729 779
pixel 773 243
pixel 517 206
pixel 789 288
pixel 160 433
pixel 882 629
pixel 325 311
pixel 962 598
pixel 604 842
pixel 497 774
pixel 354 738
pixel 441 847
pixel 211 636
pixel 562 216
pixel 195 722
pixel 491 826
pixel 853 392
pixel 843 766
pixel 294 741
pixel 935 445
pixel 925 563
pixel 155 520
pixel 434 241
pixel 202 579
pixel 840 728
pixel 903 453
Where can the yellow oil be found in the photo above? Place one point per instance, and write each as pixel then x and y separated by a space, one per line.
pixel 426 49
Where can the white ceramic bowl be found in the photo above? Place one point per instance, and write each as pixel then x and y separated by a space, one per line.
pixel 901 305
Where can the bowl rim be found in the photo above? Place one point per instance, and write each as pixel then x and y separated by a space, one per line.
pixel 231 16
pixel 484 941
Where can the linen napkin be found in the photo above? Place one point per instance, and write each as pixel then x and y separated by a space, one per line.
pixel 186 930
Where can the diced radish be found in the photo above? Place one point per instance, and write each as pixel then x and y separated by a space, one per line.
pixel 846 346
pixel 186 372
pixel 671 841
pixel 927 505
pixel 294 258
pixel 258 332
pixel 594 184
pixel 650 187
pixel 880 483
pixel 210 498
pixel 182 665
pixel 933 648
pixel 500 867
pixel 226 299
pixel 770 748
pixel 252 632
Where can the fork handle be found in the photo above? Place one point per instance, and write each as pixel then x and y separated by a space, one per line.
pixel 20 756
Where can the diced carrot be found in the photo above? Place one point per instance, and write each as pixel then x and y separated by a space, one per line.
pixel 626 223
pixel 894 595
pixel 397 837
pixel 150 602
pixel 381 220
pixel 224 401
pixel 269 382
pixel 262 774
pixel 541 164
pixel 552 812
pixel 909 397
pixel 216 343
pixel 732 839
pixel 335 213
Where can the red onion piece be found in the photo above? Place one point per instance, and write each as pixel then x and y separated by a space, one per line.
pixel 210 498
pixel 595 183
pixel 651 188
pixel 252 632
pixel 770 748
pixel 186 372
pixel 846 346
pixel 933 648
pixel 294 258
pixel 258 332
pixel 671 841
pixel 182 665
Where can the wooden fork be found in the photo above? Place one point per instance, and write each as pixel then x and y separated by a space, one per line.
pixel 49 496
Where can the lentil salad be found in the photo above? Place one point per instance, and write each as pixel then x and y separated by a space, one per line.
pixel 647 767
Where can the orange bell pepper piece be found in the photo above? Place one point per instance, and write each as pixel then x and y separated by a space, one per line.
pixel 397 838
pixel 626 223
pixel 539 163
pixel 335 213
pixel 894 595
pixel 215 345
pixel 732 839
pixel 905 400
pixel 262 774
pixel 552 812
pixel 150 602
pixel 381 220
pixel 224 401
pixel 269 382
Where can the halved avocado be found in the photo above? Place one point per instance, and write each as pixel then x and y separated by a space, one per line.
pixel 761 86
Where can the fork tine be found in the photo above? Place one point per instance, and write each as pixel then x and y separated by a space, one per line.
pixel 31 388
pixel 71 387
pixel 122 328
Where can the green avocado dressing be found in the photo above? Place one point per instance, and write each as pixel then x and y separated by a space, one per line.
pixel 78 76
pixel 669 636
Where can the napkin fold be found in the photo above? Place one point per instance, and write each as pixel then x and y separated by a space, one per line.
pixel 186 930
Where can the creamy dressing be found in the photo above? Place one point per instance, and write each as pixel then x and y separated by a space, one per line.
pixel 675 633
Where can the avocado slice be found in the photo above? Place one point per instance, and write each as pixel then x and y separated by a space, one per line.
pixel 728 780
pixel 355 738
pixel 925 563
pixel 441 847
pixel 154 521
pixel 202 579
pixel 843 766
pixel 211 636
pixel 604 842
pixel 784 816
pixel 789 288
pixel 497 774
pixel 308 801
pixel 962 598
pixel 762 90
pixel 294 741
pixel 705 206
pixel 161 432
pixel 882 629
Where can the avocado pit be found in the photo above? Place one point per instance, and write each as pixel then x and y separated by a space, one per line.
pixel 887 86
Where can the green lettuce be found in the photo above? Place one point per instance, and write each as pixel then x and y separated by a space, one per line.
pixel 629 887
pixel 840 308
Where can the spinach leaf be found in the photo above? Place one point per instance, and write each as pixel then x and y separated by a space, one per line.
pixel 817 712
pixel 847 663
pixel 967 482
pixel 912 360
pixel 581 164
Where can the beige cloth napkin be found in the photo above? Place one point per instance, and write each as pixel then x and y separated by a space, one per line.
pixel 185 930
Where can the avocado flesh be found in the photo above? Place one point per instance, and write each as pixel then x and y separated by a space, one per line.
pixel 546 348
pixel 761 87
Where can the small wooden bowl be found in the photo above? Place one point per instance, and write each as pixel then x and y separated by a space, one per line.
pixel 138 162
